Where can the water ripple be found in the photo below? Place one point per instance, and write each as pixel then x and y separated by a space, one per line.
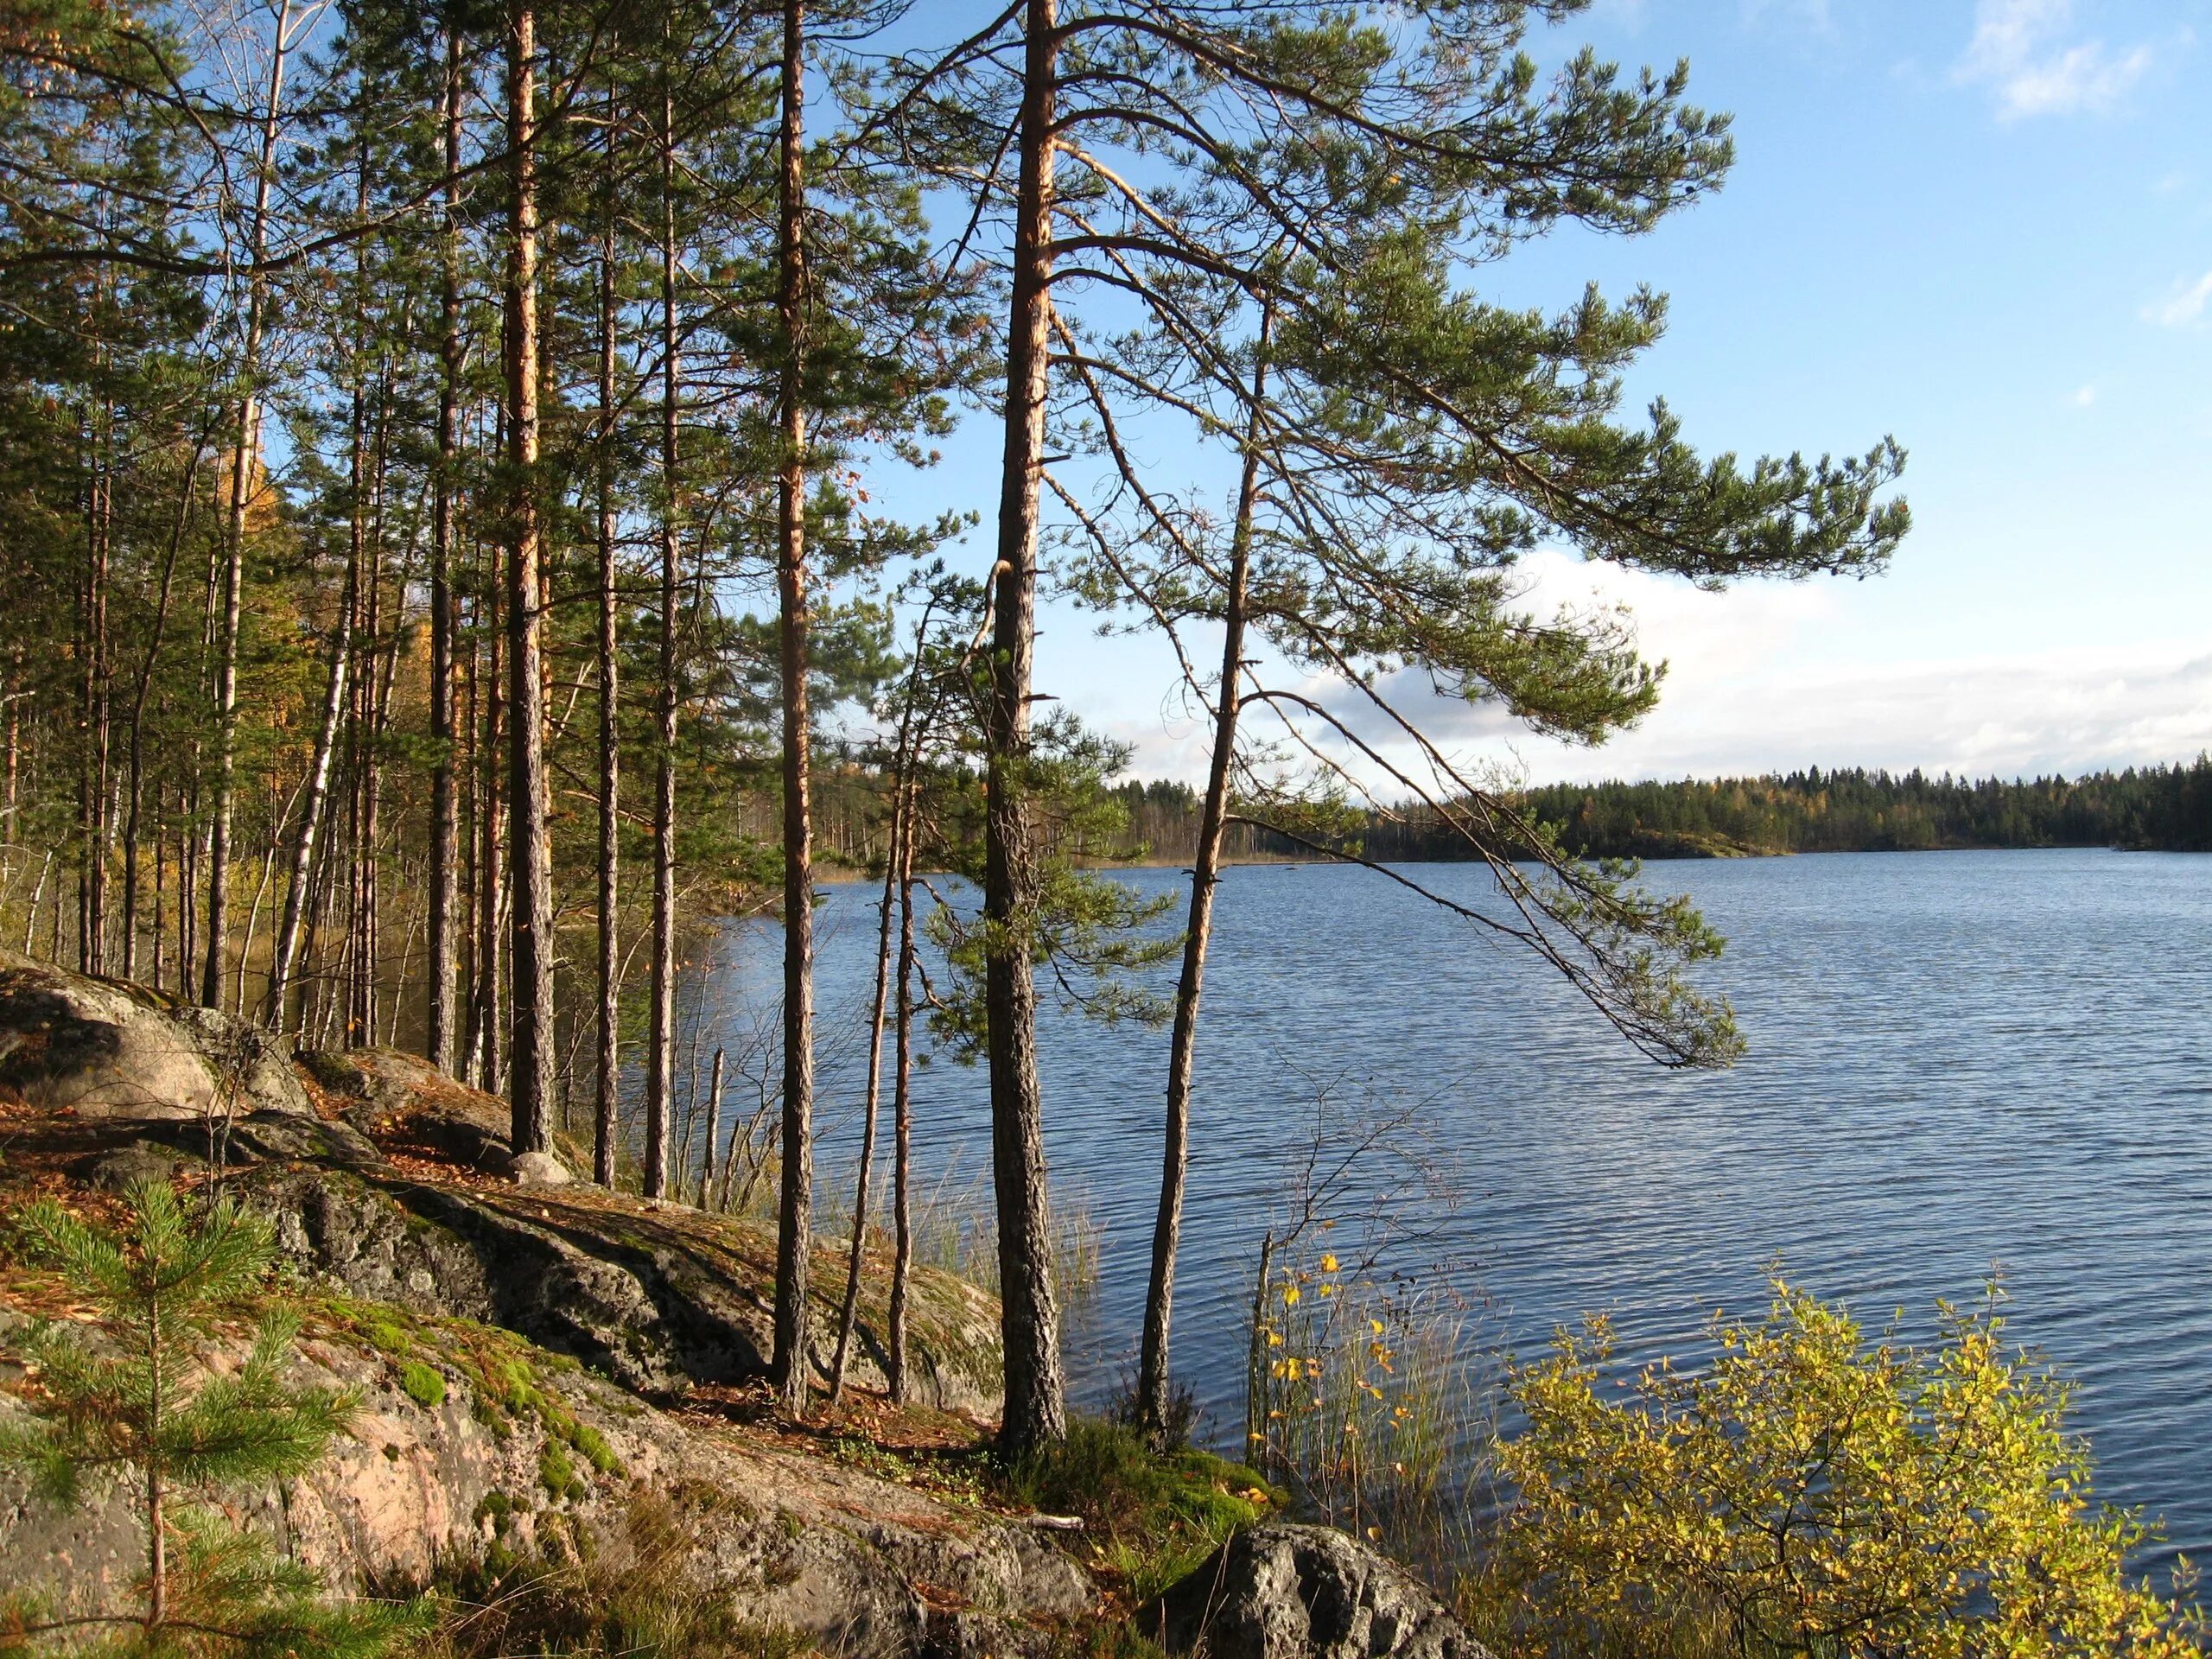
pixel 1960 1063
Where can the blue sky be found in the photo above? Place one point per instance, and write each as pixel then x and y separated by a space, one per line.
pixel 1982 226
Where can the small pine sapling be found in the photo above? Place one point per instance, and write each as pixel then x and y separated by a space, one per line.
pixel 143 1405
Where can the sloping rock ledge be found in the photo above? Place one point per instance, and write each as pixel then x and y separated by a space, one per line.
pixel 545 1368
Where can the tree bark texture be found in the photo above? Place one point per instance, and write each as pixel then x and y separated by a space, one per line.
pixel 1205 875
pixel 530 845
pixel 795 1210
pixel 1036 1391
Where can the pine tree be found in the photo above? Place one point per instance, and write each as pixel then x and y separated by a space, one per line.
pixel 144 1405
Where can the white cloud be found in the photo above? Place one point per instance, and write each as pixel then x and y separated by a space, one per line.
pixel 2067 711
pixel 1741 697
pixel 2017 49
pixel 2081 397
pixel 2184 307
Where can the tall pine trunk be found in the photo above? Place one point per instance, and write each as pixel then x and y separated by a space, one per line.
pixel 1152 1402
pixel 714 1121
pixel 893 861
pixel 610 735
pixel 92 756
pixel 368 931
pixel 1036 1390
pixel 898 865
pixel 902 1142
pixel 136 760
pixel 795 1212
pixel 285 955
pixel 660 1059
pixel 529 846
pixel 247 438
pixel 444 888
pixel 489 1007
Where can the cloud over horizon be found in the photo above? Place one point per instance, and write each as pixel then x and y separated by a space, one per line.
pixel 1741 697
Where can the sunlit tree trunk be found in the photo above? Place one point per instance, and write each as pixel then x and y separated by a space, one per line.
pixel 894 859
pixel 794 1213
pixel 247 441
pixel 898 866
pixel 529 848
pixel 714 1121
pixel 361 1026
pixel 1167 1229
pixel 444 889
pixel 610 739
pixel 1036 1392
pixel 136 760
pixel 660 1059
pixel 93 649
pixel 902 1143
pixel 317 788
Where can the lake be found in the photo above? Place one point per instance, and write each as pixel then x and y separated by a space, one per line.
pixel 1958 1062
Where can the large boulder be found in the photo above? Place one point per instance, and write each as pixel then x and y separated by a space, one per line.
pixel 393 1182
pixel 105 1049
pixel 659 1298
pixel 463 1441
pixel 1306 1592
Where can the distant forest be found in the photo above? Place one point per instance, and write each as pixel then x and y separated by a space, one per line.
pixel 2161 807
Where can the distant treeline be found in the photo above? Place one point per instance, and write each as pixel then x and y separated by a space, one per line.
pixel 2166 807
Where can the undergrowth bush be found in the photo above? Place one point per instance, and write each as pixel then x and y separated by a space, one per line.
pixel 1149 1516
pixel 1809 1492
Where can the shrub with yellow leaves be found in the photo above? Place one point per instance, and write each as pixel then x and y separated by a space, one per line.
pixel 1811 1492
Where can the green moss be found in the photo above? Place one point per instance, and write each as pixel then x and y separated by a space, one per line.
pixel 594 1446
pixel 516 1386
pixel 386 1338
pixel 421 1384
pixel 557 1474
pixel 497 1508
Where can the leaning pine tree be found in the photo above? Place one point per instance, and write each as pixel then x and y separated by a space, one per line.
pixel 1138 161
pixel 1402 445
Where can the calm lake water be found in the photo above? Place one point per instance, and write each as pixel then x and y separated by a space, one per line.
pixel 1958 1061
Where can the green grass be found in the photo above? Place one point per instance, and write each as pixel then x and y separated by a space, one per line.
pixel 1150 1517
pixel 642 1606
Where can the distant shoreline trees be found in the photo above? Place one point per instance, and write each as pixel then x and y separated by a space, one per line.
pixel 2146 809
